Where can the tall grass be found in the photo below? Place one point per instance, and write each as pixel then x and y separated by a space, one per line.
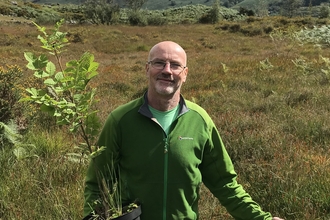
pixel 273 116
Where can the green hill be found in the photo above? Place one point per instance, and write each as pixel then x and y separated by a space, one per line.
pixel 184 10
pixel 164 4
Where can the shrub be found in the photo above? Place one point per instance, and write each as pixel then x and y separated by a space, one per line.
pixel 268 29
pixel 10 138
pixel 9 92
pixel 252 31
pixel 5 10
pixel 74 17
pixel 156 19
pixel 8 135
pixel 100 11
pixel 317 35
pixel 324 11
pixel 224 26
pixel 234 28
pixel 136 18
pixel 246 12
pixel 213 15
pixel 47 18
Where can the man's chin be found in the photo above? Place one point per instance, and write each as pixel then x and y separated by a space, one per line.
pixel 165 92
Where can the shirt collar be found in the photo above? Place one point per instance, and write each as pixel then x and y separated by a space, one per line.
pixel 144 109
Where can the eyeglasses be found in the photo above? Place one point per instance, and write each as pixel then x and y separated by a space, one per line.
pixel 159 65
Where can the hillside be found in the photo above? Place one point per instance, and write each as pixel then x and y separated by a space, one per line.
pixel 160 12
pixel 161 4
pixel 42 13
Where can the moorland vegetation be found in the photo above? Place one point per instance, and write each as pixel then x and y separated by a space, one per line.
pixel 134 12
pixel 264 80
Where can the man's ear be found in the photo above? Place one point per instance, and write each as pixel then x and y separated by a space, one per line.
pixel 147 69
pixel 185 72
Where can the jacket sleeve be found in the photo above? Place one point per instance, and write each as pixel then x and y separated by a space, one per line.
pixel 219 177
pixel 102 166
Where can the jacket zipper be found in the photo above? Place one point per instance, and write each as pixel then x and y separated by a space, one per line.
pixel 166 145
pixel 165 177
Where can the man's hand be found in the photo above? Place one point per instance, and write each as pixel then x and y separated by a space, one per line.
pixel 277 218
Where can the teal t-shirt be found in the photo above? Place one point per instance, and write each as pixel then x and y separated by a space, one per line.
pixel 166 118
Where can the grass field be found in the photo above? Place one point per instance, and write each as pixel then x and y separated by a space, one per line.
pixel 268 97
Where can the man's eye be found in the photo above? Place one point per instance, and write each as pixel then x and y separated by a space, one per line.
pixel 175 65
pixel 158 63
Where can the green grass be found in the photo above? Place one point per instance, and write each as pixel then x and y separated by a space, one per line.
pixel 273 119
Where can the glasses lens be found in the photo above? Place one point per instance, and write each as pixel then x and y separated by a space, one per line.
pixel 175 67
pixel 158 65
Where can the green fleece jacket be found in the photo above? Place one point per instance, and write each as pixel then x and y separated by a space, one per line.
pixel 165 172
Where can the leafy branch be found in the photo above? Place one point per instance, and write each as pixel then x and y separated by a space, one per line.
pixel 65 93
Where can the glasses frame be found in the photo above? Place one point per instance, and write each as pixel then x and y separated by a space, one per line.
pixel 152 62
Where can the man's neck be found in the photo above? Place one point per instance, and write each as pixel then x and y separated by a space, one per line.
pixel 163 102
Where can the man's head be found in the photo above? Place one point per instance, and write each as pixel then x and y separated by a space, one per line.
pixel 166 68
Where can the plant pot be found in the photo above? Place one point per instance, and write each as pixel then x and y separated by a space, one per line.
pixel 132 215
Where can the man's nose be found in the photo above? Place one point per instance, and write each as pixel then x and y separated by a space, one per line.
pixel 167 67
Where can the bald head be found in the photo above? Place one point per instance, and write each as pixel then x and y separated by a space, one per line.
pixel 170 50
pixel 167 71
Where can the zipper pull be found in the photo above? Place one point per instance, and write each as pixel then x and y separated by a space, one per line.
pixel 165 146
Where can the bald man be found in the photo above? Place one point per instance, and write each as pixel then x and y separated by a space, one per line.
pixel 165 147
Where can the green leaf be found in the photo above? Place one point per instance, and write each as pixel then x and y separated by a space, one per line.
pixel 62 121
pixel 50 68
pixel 40 62
pixel 58 90
pixel 30 66
pixel 74 157
pixel 92 74
pixel 70 104
pixel 41 74
pixel 59 76
pixel 57 114
pixel 93 66
pixel 72 63
pixel 29 56
pixel 25 99
pixel 48 109
pixel 97 152
pixel 41 29
pixel 20 153
pixel 32 91
pixel 326 72
pixel 77 97
pixel 93 124
pixel 49 82
pixel 43 41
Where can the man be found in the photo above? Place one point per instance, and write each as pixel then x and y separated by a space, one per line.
pixel 166 147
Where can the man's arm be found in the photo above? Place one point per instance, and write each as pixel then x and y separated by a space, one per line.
pixel 220 177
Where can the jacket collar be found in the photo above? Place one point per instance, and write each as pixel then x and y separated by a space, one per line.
pixel 144 109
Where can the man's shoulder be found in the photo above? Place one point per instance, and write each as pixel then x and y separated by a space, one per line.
pixel 192 106
pixel 128 107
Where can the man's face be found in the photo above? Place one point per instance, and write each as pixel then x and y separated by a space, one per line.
pixel 166 70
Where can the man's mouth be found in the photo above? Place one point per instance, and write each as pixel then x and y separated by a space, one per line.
pixel 167 80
